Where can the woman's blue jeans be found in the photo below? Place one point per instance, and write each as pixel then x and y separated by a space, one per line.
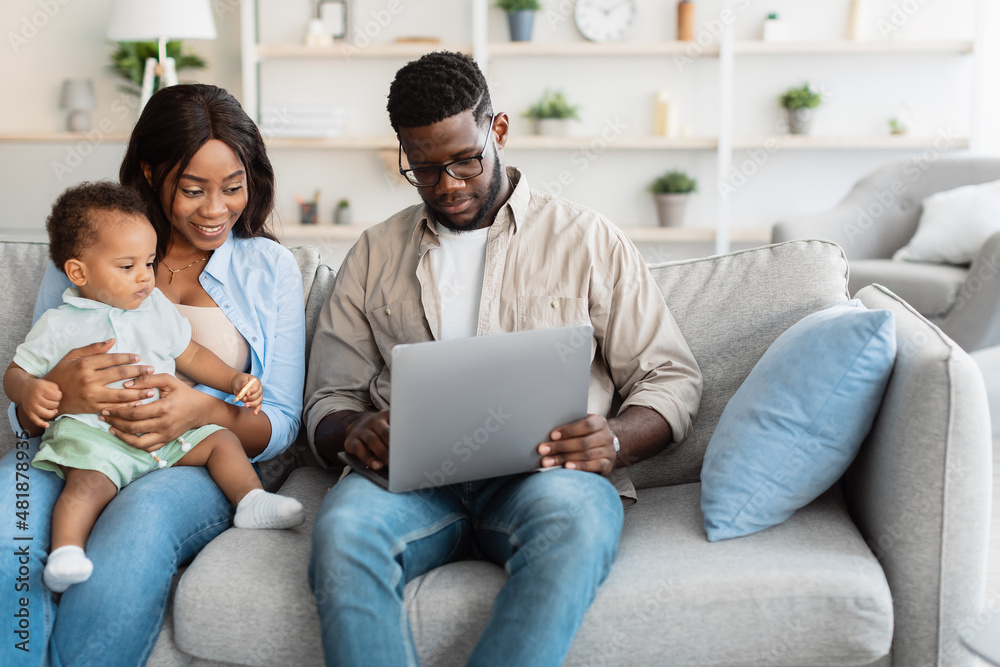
pixel 152 526
pixel 556 534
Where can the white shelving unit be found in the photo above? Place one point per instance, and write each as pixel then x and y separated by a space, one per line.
pixel 637 234
pixel 726 52
pixel 344 52
pixel 591 49
pixel 844 47
pixel 533 142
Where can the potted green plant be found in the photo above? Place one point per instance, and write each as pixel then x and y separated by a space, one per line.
pixel 672 191
pixel 553 114
pixel 520 17
pixel 128 61
pixel 799 104
pixel 342 216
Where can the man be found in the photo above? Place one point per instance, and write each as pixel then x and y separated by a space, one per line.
pixel 482 255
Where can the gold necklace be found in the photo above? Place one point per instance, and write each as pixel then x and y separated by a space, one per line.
pixel 173 271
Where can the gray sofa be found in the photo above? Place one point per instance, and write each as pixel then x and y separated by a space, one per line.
pixel 879 216
pixel 883 569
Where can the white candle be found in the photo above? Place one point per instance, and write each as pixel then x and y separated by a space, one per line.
pixel 664 116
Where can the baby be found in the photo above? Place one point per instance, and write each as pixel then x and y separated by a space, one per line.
pixel 102 240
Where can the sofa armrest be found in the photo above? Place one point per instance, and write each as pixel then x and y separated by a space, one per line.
pixel 973 321
pixel 920 488
pixel 829 225
pixel 874 220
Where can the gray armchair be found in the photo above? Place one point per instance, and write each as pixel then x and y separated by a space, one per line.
pixel 879 216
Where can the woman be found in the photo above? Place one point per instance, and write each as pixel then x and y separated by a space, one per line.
pixel 200 163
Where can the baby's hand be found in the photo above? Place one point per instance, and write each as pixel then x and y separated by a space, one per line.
pixel 248 389
pixel 41 401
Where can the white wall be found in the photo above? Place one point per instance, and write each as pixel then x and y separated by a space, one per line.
pixel 864 91
pixel 46 41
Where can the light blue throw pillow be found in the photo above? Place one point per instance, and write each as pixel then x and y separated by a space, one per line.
pixel 798 420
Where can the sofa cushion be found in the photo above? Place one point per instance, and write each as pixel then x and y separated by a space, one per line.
pixel 21 269
pixel 317 281
pixel 930 288
pixel 798 420
pixel 730 309
pixel 245 599
pixel 805 588
pixel 954 224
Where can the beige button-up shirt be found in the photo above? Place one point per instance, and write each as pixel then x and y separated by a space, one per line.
pixel 549 263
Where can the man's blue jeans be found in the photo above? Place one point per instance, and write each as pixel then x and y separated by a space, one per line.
pixel 156 523
pixel 556 534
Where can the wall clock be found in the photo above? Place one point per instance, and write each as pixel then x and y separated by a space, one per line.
pixel 604 20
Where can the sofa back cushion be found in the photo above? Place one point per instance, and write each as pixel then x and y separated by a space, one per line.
pixel 317 281
pixel 21 267
pixel 730 309
pixel 23 264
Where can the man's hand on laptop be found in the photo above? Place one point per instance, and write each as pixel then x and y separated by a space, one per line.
pixel 368 439
pixel 585 445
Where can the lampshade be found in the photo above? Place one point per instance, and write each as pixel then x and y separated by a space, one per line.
pixel 77 94
pixel 147 20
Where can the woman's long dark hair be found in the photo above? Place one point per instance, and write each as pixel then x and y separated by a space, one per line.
pixel 176 122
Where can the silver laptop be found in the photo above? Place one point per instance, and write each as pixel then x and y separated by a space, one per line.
pixel 476 408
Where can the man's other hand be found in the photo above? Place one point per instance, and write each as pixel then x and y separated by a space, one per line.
pixel 585 445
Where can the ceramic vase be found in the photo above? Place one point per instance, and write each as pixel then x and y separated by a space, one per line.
pixel 521 23
pixel 685 21
pixel 800 120
pixel 670 208
pixel 554 127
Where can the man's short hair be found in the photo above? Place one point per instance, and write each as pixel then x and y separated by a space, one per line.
pixel 72 225
pixel 439 85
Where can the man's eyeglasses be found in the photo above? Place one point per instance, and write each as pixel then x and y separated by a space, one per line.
pixel 462 170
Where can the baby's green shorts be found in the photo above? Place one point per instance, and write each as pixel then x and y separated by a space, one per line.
pixel 71 443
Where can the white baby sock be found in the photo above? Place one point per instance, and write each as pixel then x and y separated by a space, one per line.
pixel 260 509
pixel 66 566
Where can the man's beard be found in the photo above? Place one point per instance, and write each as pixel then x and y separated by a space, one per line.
pixel 484 210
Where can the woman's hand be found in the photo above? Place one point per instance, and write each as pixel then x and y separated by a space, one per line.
pixel 180 409
pixel 84 374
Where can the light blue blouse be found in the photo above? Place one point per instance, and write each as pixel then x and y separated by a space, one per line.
pixel 257 284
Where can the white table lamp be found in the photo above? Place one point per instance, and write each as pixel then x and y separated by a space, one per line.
pixel 77 96
pixel 160 20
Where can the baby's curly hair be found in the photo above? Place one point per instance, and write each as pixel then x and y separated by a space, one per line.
pixel 72 227
pixel 438 85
